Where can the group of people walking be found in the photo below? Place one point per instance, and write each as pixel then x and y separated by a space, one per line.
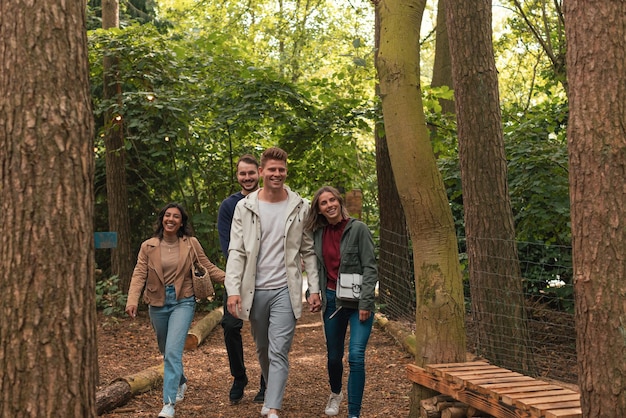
pixel 269 235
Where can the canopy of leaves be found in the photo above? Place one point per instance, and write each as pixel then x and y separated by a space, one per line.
pixel 195 97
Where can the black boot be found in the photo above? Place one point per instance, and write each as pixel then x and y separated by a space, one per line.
pixel 236 391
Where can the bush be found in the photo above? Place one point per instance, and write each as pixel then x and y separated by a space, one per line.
pixel 109 297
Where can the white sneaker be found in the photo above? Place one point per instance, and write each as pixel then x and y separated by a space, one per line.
pixel 272 416
pixel 265 411
pixel 167 411
pixel 180 393
pixel 334 400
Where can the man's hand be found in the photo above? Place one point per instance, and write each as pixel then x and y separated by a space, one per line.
pixel 234 305
pixel 315 302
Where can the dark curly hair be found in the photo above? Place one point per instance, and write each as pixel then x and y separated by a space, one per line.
pixel 185 227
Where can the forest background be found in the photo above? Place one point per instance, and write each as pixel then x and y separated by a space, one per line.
pixel 182 89
pixel 201 83
pixel 178 91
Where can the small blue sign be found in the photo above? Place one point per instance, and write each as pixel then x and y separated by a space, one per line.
pixel 105 239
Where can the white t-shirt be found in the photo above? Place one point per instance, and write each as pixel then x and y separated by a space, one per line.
pixel 270 268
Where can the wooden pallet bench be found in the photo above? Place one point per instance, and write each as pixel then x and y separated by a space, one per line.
pixel 497 391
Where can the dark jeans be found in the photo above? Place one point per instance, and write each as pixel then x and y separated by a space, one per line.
pixel 234 345
pixel 335 331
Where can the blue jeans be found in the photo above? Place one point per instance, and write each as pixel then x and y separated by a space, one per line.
pixel 335 331
pixel 171 323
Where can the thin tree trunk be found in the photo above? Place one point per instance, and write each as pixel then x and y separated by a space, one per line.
pixel 396 287
pixel 48 321
pixel 495 278
pixel 596 63
pixel 122 261
pixel 442 67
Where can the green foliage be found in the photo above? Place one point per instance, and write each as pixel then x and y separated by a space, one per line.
pixel 131 11
pixel 536 150
pixel 110 299
pixel 530 52
pixel 192 100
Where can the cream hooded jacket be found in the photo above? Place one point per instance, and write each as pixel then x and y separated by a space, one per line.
pixel 245 238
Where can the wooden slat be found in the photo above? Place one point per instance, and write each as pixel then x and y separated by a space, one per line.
pixel 529 381
pixel 496 390
pixel 512 377
pixel 539 408
pixel 444 366
pixel 537 399
pixel 441 371
pixel 516 391
pixel 524 396
pixel 565 413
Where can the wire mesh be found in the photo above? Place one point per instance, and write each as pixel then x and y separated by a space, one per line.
pixel 548 314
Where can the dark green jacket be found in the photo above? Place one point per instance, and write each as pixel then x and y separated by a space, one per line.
pixel 357 256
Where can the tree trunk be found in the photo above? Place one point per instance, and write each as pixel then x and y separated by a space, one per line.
pixel 494 271
pixel 396 289
pixel 122 260
pixel 440 333
pixel 48 322
pixel 596 63
pixel 442 67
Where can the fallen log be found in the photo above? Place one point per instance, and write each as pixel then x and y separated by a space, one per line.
pixel 455 412
pixel 442 406
pixel 121 390
pixel 405 337
pixel 203 328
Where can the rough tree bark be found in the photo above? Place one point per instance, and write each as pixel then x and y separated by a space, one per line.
pixel 596 64
pixel 440 332
pixel 48 350
pixel 494 272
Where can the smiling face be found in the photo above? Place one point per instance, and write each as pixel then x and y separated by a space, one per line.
pixel 329 206
pixel 273 173
pixel 247 177
pixel 172 221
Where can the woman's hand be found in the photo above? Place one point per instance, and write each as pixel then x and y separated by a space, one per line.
pixel 315 302
pixel 364 315
pixel 131 311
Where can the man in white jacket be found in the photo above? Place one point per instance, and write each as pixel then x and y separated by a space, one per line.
pixel 268 245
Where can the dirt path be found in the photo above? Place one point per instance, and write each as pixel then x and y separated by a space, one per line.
pixel 126 347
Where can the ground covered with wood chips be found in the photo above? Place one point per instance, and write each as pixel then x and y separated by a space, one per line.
pixel 126 347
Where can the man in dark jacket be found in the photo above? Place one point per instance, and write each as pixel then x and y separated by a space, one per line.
pixel 248 179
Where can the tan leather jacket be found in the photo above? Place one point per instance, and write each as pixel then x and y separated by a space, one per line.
pixel 148 273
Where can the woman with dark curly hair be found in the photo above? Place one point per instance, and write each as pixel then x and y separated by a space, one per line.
pixel 163 272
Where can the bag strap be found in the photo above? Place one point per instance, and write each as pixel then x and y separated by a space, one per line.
pixel 193 246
